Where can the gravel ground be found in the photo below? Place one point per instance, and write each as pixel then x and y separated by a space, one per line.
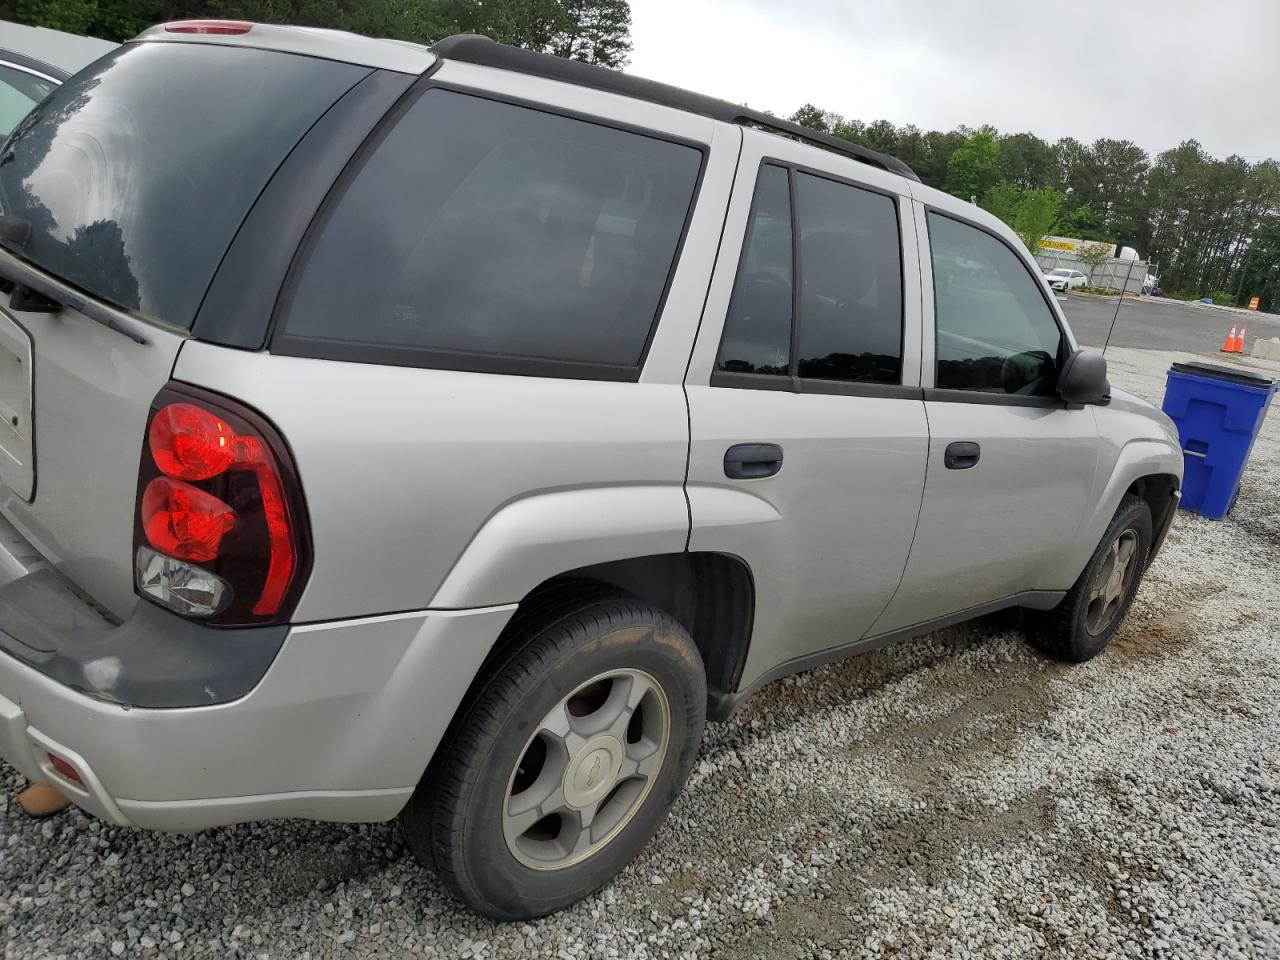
pixel 956 795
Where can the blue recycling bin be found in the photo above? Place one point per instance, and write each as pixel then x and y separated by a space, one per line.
pixel 1219 411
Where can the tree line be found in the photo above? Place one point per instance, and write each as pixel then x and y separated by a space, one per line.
pixel 1212 225
pixel 594 31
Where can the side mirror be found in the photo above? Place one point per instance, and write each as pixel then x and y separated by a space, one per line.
pixel 1083 378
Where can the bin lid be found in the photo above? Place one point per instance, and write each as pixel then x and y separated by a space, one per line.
pixel 1213 371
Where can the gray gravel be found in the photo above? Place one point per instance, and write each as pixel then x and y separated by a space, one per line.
pixel 957 795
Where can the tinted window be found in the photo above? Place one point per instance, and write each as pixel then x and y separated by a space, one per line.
pixel 19 92
pixel 134 175
pixel 851 283
pixel 995 332
pixel 481 229
pixel 757 330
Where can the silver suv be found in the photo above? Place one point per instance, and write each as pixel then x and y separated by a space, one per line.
pixel 446 434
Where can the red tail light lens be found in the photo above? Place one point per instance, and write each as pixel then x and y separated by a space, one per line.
pixel 218 493
pixel 183 521
pixel 190 443
pixel 224 28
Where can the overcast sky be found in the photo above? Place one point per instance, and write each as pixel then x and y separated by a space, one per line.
pixel 1152 72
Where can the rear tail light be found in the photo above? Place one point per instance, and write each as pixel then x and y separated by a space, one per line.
pixel 219 28
pixel 221 530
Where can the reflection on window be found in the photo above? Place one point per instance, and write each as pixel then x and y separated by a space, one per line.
pixel 851 283
pixel 484 228
pixel 995 333
pixel 757 330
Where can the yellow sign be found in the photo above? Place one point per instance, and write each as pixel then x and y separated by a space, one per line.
pixel 1052 244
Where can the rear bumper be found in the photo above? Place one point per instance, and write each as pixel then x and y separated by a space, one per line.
pixel 340 727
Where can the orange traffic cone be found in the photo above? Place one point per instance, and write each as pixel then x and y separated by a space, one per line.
pixel 1240 340
pixel 1229 345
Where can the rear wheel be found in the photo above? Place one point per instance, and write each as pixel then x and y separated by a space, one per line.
pixel 1080 627
pixel 565 761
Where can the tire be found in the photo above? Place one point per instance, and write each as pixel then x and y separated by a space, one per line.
pixel 1082 625
pixel 579 665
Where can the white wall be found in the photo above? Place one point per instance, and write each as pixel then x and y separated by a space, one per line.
pixel 63 50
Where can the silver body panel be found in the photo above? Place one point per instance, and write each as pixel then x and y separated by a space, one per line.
pixel 93 389
pixel 438 500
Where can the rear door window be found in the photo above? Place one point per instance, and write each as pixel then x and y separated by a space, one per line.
pixel 850 283
pixel 489 236
pixel 757 330
pixel 844 245
pixel 135 174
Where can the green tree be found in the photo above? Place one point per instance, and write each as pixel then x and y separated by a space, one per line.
pixel 1027 161
pixel 1093 256
pixel 815 118
pixel 1035 216
pixel 1002 201
pixel 971 170
pixel 71 16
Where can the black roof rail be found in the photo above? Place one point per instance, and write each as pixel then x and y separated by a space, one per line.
pixel 472 48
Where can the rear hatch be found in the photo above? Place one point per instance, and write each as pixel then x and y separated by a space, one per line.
pixel 124 188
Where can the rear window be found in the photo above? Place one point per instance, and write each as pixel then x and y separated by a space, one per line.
pixel 135 175
pixel 487 236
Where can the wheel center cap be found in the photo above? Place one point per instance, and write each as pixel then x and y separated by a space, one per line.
pixel 593 771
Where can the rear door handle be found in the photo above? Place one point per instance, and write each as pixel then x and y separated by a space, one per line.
pixel 962 455
pixel 752 461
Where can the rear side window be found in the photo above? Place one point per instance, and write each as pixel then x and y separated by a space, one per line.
pixel 995 332
pixel 484 235
pixel 135 174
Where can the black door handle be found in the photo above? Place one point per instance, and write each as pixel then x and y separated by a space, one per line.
pixel 962 455
pixel 752 461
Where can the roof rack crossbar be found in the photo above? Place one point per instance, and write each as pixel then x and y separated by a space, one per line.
pixel 481 51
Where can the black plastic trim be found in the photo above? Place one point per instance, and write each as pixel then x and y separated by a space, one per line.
pixel 237 308
pixel 941 395
pixel 752 381
pixel 1165 524
pixel 343 350
pixel 161 661
pixel 470 48
pixel 722 705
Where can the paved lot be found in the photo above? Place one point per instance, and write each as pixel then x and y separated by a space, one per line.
pixel 953 796
pixel 1160 324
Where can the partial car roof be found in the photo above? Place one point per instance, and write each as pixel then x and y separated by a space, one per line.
pixel 396 55
pixel 60 54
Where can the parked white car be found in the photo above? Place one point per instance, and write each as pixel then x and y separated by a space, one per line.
pixel 1063 279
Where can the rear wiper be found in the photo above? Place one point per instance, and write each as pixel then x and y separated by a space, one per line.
pixel 33 290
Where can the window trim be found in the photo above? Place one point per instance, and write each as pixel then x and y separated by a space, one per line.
pixel 283 344
pixel 793 382
pixel 952 395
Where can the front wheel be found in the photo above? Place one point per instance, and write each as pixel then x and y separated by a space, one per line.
pixel 1082 625
pixel 565 761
